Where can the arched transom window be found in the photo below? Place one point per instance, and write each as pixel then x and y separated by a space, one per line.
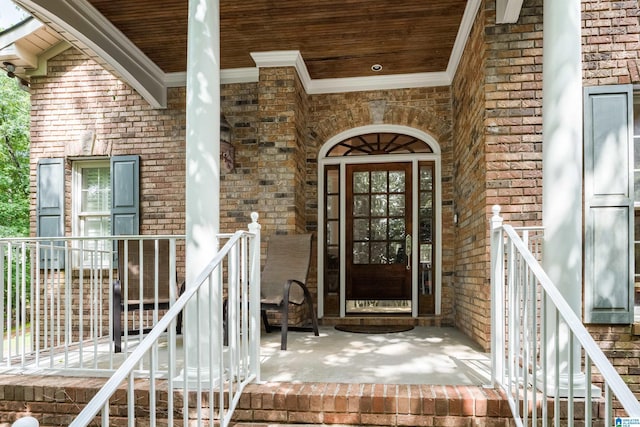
pixel 379 143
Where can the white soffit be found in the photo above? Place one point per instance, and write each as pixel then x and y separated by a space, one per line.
pixel 82 25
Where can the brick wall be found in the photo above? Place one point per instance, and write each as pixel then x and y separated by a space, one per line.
pixel 78 96
pixel 471 289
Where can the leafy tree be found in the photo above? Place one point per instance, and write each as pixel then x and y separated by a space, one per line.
pixel 14 159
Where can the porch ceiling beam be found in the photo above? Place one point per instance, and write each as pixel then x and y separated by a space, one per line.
pixel 508 11
pixel 83 26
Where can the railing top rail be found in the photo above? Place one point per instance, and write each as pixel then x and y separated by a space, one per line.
pixel 611 376
pixel 110 387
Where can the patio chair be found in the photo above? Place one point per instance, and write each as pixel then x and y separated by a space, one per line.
pixel 134 299
pixel 283 281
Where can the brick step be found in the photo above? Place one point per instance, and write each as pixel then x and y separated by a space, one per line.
pixel 275 404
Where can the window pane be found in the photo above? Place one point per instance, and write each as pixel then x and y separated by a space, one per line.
pixel 95 226
pixel 96 190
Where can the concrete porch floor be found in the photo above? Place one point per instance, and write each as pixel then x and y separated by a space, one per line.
pixel 424 355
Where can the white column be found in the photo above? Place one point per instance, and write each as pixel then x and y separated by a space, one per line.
pixel 203 173
pixel 562 169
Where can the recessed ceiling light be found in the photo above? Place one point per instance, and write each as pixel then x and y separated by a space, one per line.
pixel 376 67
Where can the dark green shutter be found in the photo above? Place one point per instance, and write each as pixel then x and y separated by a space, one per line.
pixel 125 195
pixel 608 194
pixel 50 207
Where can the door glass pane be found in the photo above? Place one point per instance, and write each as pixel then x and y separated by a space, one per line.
pixel 396 205
pixel 379 253
pixel 360 229
pixel 361 206
pixel 426 179
pixel 379 229
pixel 379 205
pixel 361 182
pixel 332 232
pixel 361 253
pixel 397 248
pixel 379 182
pixel 396 182
pixel 396 229
pixel 332 207
pixel 333 185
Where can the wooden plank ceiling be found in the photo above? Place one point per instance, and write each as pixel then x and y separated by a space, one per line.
pixel 337 38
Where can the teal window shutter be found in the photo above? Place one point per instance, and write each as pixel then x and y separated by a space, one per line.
pixel 608 198
pixel 125 195
pixel 50 207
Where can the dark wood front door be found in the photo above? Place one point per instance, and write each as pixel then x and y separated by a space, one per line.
pixel 378 224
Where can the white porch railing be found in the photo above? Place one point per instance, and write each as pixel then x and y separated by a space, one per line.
pixel 205 399
pixel 522 296
pixel 57 302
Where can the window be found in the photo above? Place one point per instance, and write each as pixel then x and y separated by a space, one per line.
pixel 105 196
pixel 91 200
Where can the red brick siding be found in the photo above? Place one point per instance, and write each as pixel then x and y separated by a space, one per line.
pixel 472 291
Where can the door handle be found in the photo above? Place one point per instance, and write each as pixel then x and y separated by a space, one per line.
pixel 408 249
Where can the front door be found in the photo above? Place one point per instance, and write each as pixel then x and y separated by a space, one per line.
pixel 378 235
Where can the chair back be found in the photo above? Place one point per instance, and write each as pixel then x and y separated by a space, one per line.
pixel 288 257
pixel 148 269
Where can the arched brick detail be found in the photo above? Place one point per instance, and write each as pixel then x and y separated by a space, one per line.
pixel 425 119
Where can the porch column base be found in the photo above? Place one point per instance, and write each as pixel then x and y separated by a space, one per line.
pixel 198 378
pixel 562 389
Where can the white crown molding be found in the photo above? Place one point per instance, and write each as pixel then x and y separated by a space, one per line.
pixel 84 23
pixel 508 11
pixel 293 58
pixel 468 18
pixel 239 75
pixel 230 76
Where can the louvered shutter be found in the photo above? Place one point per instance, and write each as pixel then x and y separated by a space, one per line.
pixel 50 208
pixel 125 195
pixel 608 196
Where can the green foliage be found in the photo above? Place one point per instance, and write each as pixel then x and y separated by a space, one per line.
pixel 14 159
